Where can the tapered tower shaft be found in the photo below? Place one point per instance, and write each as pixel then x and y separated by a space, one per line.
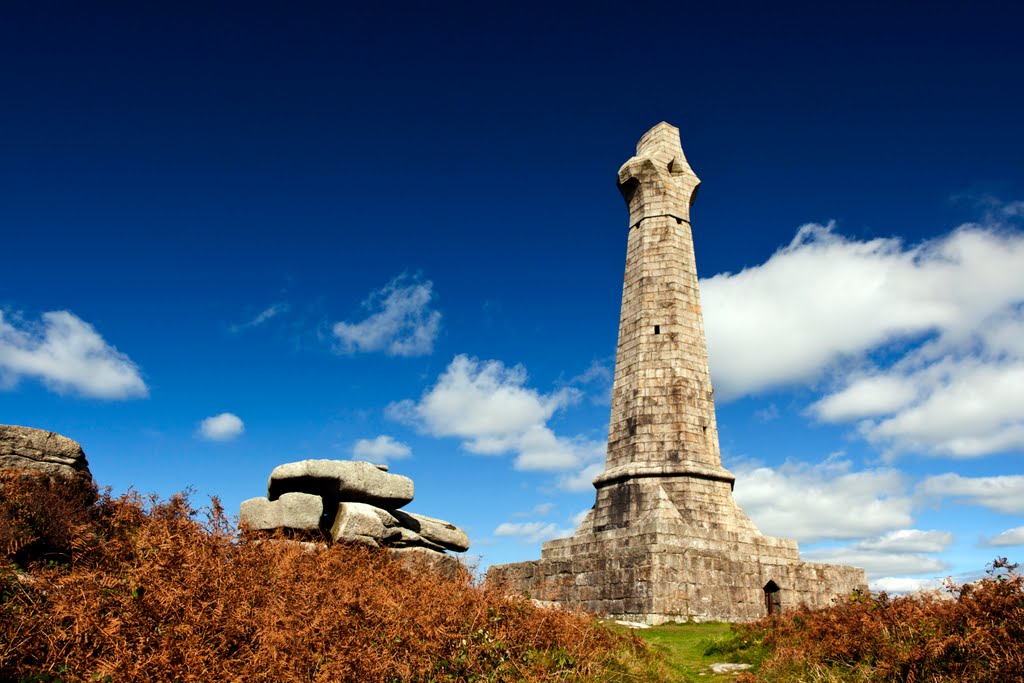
pixel 663 411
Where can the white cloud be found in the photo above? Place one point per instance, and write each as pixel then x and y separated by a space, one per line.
pixel 904 584
pixel 223 427
pixel 950 311
pixel 491 409
pixel 1003 493
pixel 879 563
pixel 908 540
pixel 68 356
pixel 904 551
pixel 968 407
pixel 401 322
pixel 531 532
pixel 1013 536
pixel 813 502
pixel 865 397
pixel 824 298
pixel 380 449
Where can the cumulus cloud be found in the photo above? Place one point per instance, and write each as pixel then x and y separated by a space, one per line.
pixel 1013 536
pixel 951 310
pixel 401 321
pixel 380 449
pixel 223 427
pixel 1003 493
pixel 67 355
pixel 813 502
pixel 490 408
pixel 825 297
pixel 531 532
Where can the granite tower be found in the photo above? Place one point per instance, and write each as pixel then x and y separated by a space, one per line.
pixel 665 540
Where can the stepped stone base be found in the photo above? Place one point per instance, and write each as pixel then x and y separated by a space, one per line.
pixel 707 564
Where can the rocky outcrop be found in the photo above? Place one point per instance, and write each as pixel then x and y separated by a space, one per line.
pixel 38 450
pixel 437 531
pixel 347 501
pixel 342 480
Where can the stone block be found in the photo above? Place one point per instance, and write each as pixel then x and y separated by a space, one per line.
pixel 295 511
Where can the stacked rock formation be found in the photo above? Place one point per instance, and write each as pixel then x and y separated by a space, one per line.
pixel 37 450
pixel 348 501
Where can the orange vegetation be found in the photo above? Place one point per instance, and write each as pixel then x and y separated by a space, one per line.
pixel 974 634
pixel 96 588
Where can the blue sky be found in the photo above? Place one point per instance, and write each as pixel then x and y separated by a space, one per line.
pixel 236 237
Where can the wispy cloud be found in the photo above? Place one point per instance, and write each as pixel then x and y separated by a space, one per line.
pixel 401 321
pixel 531 532
pixel 263 316
pixel 222 427
pixel 599 378
pixel 67 355
pixel 539 510
pixel 380 449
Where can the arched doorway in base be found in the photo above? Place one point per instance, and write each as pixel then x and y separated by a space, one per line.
pixel 772 598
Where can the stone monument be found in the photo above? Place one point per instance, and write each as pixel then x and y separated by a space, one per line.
pixel 665 540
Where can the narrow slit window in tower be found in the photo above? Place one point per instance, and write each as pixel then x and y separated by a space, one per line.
pixel 657 329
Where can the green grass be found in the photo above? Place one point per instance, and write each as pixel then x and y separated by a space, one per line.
pixel 690 649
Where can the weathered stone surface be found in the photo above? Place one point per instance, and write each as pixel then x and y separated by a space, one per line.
pixel 438 531
pixel 42 451
pixel 665 540
pixel 407 538
pixel 417 559
pixel 357 522
pixel 297 511
pixel 728 668
pixel 342 481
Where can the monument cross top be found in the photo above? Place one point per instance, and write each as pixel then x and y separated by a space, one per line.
pixel 658 181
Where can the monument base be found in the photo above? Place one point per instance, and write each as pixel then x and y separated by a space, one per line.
pixel 666 566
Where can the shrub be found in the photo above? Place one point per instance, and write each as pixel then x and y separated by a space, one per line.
pixel 43 518
pixel 972 635
pixel 160 591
